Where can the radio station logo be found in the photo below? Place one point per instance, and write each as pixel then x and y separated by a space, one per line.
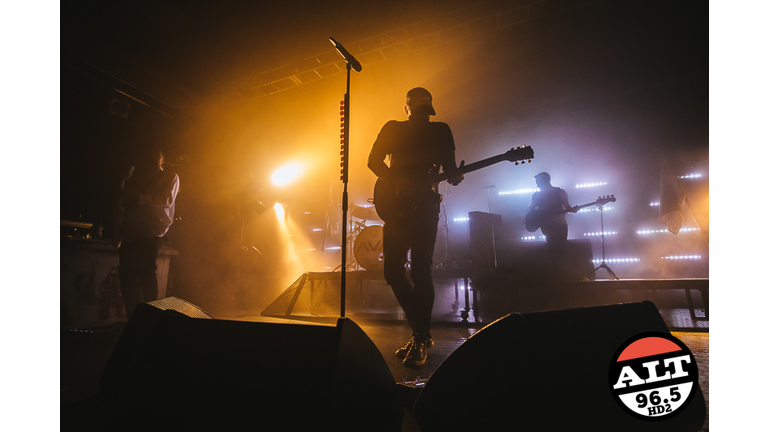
pixel 653 376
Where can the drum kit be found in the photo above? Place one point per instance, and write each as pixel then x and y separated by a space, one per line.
pixel 367 239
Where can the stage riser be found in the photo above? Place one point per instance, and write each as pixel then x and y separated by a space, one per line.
pixel 318 294
pixel 500 299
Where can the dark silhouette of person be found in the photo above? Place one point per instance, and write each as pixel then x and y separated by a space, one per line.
pixel 416 148
pixel 149 202
pixel 551 204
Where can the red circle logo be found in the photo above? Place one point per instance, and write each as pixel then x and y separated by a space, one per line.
pixel 653 376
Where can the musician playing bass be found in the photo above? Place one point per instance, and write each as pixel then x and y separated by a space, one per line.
pixel 548 207
pixel 417 148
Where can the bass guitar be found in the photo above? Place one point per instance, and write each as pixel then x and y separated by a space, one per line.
pixel 389 198
pixel 534 217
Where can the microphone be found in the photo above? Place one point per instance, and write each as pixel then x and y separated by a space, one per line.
pixel 353 63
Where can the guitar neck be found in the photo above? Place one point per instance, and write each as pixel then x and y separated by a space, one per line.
pixel 472 167
pixel 598 202
pixel 563 211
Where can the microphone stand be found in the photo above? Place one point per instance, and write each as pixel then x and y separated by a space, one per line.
pixel 603 265
pixel 345 198
pixel 352 63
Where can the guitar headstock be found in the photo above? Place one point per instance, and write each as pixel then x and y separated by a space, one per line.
pixel 605 199
pixel 519 155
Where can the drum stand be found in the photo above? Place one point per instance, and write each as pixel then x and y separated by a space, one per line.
pixel 603 265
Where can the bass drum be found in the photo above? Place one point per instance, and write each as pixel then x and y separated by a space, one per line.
pixel 369 248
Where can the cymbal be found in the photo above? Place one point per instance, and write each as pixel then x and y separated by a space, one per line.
pixel 364 213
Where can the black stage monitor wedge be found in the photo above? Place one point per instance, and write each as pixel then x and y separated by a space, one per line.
pixel 545 371
pixel 172 371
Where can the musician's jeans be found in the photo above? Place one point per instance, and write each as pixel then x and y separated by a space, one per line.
pixel 138 271
pixel 417 234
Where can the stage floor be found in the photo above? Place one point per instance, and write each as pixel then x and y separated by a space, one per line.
pixel 84 353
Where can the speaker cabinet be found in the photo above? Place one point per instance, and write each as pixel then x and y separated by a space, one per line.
pixel 172 371
pixel 544 371
pixel 529 261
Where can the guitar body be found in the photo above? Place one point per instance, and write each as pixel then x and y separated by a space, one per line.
pixel 384 199
pixel 392 202
pixel 532 220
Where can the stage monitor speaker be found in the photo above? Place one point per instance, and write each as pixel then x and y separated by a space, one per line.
pixel 172 371
pixel 544 371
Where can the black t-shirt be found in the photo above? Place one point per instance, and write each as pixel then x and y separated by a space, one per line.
pixel 416 149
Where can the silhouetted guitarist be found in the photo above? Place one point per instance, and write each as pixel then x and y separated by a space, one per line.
pixel 417 148
pixel 547 210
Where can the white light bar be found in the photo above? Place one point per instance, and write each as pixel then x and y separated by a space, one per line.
pixel 690 176
pixel 461 219
pixel 644 232
pixel 519 191
pixel 655 204
pixel 533 238
pixel 617 260
pixel 682 257
pixel 333 248
pixel 589 185
pixel 597 234
pixel 593 209
pixel 317 229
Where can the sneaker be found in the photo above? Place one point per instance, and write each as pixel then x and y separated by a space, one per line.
pixel 417 355
pixel 403 350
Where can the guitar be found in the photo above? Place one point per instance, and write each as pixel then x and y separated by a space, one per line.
pixel 534 217
pixel 389 199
